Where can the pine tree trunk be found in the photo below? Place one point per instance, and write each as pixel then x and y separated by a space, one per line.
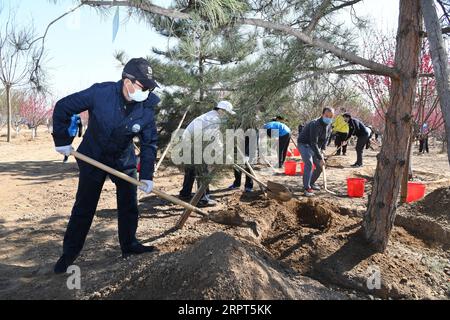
pixel 9 115
pixel 381 210
pixel 440 61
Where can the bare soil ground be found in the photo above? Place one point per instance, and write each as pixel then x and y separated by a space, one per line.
pixel 304 249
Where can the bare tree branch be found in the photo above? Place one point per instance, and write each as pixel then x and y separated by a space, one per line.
pixel 445 30
pixel 320 12
pixel 319 43
pixel 345 4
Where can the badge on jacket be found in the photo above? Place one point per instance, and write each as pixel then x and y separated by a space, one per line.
pixel 136 128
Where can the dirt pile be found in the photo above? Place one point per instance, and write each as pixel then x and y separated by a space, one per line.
pixel 436 204
pixel 220 267
pixel 429 218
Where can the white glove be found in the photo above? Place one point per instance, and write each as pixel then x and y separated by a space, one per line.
pixel 246 159
pixel 64 150
pixel 148 186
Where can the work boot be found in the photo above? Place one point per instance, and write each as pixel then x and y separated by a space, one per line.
pixel 63 263
pixel 137 248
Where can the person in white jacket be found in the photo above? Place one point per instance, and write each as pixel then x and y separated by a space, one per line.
pixel 208 125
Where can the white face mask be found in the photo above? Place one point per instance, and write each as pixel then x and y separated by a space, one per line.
pixel 138 95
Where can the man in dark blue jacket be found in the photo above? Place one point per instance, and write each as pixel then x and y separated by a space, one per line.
pixel 118 111
pixel 312 141
pixel 362 132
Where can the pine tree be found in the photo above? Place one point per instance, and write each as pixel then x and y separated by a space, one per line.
pixel 195 71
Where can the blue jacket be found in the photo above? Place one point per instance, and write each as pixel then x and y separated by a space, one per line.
pixel 281 127
pixel 113 123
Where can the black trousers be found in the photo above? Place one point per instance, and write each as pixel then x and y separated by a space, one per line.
pixel 423 145
pixel 360 145
pixel 83 211
pixel 238 178
pixel 341 137
pixel 190 174
pixel 283 145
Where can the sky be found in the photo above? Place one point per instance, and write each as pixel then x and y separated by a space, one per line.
pixel 80 50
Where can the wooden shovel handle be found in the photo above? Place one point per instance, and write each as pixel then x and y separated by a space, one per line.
pixel 295 144
pixel 250 175
pixel 261 185
pixel 136 182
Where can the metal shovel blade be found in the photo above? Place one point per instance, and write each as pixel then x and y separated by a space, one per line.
pixel 278 191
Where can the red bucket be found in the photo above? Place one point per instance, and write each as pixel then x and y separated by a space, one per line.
pixel 290 168
pixel 355 187
pixel 416 191
pixel 302 167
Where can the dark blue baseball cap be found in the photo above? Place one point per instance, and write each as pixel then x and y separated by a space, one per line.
pixel 139 69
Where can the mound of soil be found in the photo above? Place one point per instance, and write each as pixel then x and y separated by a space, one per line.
pixel 429 218
pixel 436 204
pixel 220 267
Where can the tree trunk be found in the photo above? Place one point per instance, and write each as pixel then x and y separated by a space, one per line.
pixel 380 214
pixel 407 171
pixel 8 107
pixel 440 61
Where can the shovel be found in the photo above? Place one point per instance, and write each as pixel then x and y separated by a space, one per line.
pixel 136 182
pixel 325 184
pixel 274 190
pixel 247 163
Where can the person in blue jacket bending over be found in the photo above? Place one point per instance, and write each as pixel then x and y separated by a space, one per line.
pixel 118 112
pixel 284 137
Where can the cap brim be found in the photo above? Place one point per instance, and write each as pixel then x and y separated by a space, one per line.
pixel 228 111
pixel 149 83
